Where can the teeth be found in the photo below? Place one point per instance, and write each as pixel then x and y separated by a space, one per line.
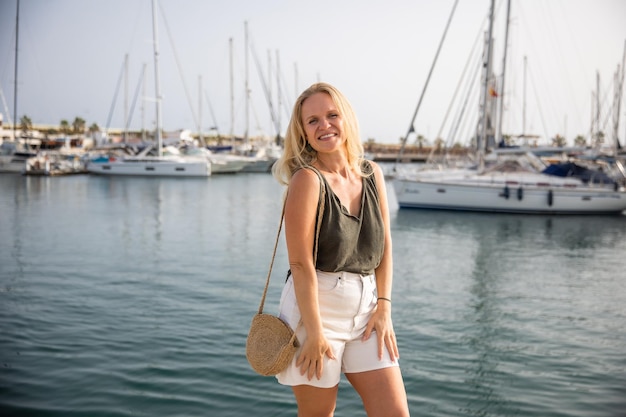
pixel 326 136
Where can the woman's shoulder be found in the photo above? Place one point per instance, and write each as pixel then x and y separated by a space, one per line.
pixel 304 189
pixel 305 177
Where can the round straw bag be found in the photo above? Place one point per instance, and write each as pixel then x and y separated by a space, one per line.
pixel 271 344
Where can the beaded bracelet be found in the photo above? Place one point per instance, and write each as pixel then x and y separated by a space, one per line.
pixel 383 298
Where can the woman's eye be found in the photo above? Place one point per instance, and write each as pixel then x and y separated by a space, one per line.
pixel 312 121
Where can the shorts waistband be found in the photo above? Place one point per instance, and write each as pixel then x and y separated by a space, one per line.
pixel 344 275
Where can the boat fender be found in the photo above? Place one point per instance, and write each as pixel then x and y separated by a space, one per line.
pixel 506 192
pixel 520 193
pixel 550 198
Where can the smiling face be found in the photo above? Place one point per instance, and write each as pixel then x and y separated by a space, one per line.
pixel 322 123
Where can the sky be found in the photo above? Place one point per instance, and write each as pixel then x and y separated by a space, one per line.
pixel 378 53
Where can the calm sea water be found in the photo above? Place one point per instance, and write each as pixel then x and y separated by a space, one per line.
pixel 132 297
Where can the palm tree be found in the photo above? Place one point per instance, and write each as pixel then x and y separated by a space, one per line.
pixel 580 141
pixel 78 125
pixel 65 127
pixel 420 140
pixel 26 125
pixel 93 129
pixel 558 141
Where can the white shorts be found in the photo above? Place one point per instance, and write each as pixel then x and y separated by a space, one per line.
pixel 346 303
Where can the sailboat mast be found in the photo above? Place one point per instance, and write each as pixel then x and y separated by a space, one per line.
pixel 200 136
pixel 278 94
pixel 17 34
pixel 143 104
pixel 269 84
pixel 619 88
pixel 430 73
pixel 295 79
pixel 483 134
pixel 597 133
pixel 500 136
pixel 524 105
pixel 245 136
pixel 156 79
pixel 232 91
pixel 125 135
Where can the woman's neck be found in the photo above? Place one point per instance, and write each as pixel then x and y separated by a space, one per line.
pixel 335 166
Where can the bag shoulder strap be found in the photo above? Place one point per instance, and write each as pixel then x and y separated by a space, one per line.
pixel 318 225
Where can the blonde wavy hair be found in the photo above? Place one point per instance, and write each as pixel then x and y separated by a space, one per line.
pixel 296 153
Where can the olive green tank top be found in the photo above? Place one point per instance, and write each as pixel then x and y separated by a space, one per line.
pixel 350 243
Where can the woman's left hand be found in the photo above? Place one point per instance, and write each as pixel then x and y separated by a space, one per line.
pixel 381 322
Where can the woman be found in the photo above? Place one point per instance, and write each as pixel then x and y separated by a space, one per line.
pixel 341 303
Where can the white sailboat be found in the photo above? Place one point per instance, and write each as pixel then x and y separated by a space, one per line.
pixel 497 190
pixel 13 160
pixel 144 164
pixel 14 151
pixel 513 183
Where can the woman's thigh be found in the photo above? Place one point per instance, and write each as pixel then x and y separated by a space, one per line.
pixel 382 392
pixel 313 401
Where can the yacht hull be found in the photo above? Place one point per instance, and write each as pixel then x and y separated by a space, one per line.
pixel 152 167
pixel 508 196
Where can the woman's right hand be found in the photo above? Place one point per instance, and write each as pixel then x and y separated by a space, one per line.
pixel 311 358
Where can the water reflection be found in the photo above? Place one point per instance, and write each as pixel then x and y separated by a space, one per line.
pixel 223 221
pixel 494 296
pixel 570 232
pixel 485 326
